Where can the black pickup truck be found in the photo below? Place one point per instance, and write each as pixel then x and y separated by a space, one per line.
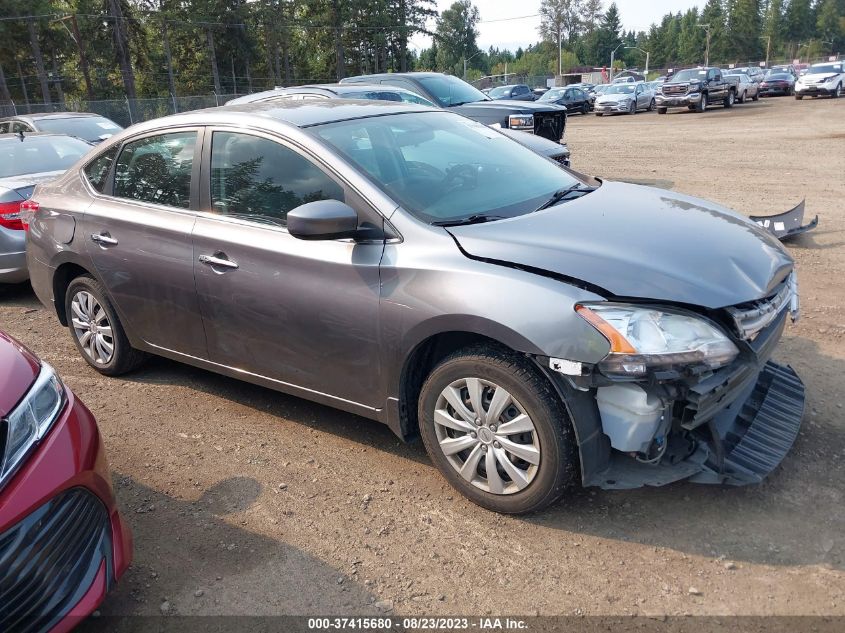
pixel 697 88
pixel 447 91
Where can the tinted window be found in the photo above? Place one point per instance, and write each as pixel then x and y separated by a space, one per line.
pixel 451 91
pixel 90 128
pixel 157 169
pixel 17 126
pixel 4 127
pixel 36 154
pixel 261 180
pixel 97 170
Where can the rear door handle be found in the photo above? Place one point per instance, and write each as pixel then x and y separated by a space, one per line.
pixel 103 239
pixel 215 260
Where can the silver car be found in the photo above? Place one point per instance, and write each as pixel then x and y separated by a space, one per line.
pixel 625 98
pixel 25 161
pixel 747 88
pixel 536 328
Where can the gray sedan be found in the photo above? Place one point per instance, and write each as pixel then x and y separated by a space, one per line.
pixel 25 161
pixel 535 327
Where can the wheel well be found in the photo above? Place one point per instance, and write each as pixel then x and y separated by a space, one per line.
pixel 419 364
pixel 64 274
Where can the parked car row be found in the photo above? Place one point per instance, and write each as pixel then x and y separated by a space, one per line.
pixel 403 216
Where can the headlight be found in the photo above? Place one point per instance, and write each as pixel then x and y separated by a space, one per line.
pixel 30 421
pixel 644 338
pixel 521 121
pixel 496 126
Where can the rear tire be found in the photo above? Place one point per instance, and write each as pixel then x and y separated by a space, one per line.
pixel 519 486
pixel 632 109
pixel 756 97
pixel 838 92
pixel 90 315
pixel 799 97
pixel 742 97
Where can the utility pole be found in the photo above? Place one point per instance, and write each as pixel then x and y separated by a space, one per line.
pixel 234 80
pixel 560 50
pixel 706 28
pixel 39 61
pixel 214 73
pixel 23 87
pixel 612 59
pixel 170 83
pixel 647 57
pixel 768 39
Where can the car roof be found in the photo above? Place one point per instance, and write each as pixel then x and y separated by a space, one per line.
pixel 300 114
pixel 49 115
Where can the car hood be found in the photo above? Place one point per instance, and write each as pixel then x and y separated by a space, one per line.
pixel 18 369
pixel 817 76
pixel 512 105
pixel 613 98
pixel 639 242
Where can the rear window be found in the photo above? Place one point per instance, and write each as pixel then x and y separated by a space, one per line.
pixel 36 154
pixel 90 128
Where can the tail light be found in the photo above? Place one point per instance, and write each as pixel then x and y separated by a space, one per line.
pixel 27 212
pixel 10 215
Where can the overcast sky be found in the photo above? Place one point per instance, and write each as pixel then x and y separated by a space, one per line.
pixel 513 33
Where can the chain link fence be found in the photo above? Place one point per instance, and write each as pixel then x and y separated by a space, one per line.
pixel 122 111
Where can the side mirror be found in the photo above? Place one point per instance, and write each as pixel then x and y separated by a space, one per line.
pixel 323 220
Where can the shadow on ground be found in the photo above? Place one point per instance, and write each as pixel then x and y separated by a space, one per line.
pixel 199 562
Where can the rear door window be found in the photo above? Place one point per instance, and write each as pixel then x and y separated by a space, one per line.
pixel 97 171
pixel 157 169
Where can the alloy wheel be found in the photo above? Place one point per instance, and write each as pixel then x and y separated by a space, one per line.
pixel 92 328
pixel 487 436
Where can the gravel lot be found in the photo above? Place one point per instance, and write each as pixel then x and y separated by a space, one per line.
pixel 245 501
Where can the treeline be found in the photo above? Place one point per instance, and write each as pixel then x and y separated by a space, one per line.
pixel 115 49
pixel 740 31
pixel 152 48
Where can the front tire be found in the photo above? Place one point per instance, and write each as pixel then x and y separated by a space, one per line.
pixel 742 97
pixel 651 106
pixel 701 106
pixel 729 100
pixel 497 430
pixel 632 109
pixel 838 92
pixel 96 329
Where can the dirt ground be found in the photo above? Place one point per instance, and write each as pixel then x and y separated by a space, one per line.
pixel 246 501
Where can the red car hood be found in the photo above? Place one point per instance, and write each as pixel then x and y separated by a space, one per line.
pixel 18 369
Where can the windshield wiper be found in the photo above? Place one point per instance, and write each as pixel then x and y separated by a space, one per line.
pixel 560 194
pixel 478 218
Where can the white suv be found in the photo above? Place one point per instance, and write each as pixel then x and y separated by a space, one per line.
pixel 821 79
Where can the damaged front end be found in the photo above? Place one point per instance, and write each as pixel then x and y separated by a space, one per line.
pixel 788 224
pixel 682 396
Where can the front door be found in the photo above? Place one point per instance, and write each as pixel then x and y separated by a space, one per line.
pixel 138 235
pixel 304 313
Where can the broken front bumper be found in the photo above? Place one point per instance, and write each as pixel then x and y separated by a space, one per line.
pixel 788 224
pixel 732 426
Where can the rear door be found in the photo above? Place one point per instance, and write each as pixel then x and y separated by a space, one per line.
pixel 304 313
pixel 138 234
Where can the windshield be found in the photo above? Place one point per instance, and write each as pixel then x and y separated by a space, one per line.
pixel 499 91
pixel 825 69
pixel 621 89
pixel 90 128
pixel 689 75
pixel 36 154
pixel 444 167
pixel 451 91
pixel 551 95
pixel 601 89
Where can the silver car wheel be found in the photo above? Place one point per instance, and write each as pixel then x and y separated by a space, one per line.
pixel 92 328
pixel 487 436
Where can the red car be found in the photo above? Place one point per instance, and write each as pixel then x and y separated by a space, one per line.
pixel 63 543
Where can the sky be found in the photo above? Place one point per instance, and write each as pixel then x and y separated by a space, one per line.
pixel 496 29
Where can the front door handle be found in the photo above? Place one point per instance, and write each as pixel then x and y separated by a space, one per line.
pixel 103 239
pixel 214 260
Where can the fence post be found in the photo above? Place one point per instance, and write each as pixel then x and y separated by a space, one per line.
pixel 216 100
pixel 175 107
pixel 129 109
